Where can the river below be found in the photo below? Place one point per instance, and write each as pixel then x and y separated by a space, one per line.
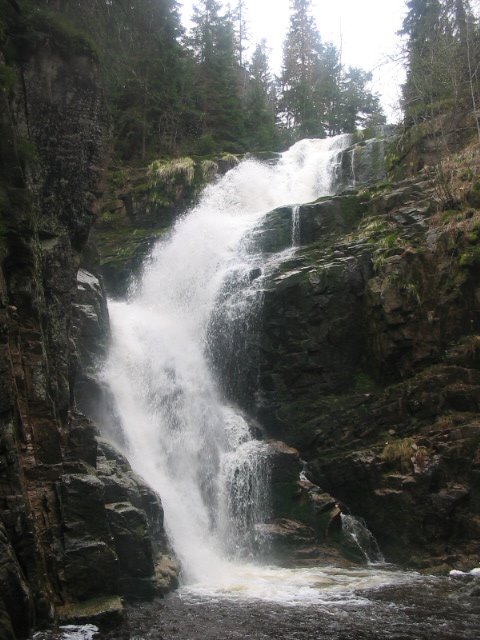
pixel 410 607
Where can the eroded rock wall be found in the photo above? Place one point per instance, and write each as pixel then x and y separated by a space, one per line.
pixel 73 516
pixel 368 363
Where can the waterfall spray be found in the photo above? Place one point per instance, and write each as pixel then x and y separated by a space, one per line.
pixel 181 435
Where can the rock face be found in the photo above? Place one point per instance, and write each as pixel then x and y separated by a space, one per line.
pixel 140 205
pixel 73 517
pixel 367 361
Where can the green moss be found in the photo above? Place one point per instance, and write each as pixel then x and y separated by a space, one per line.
pixel 26 151
pixel 472 237
pixel 470 258
pixel 389 241
pixel 363 382
pixel 119 246
pixel 352 208
pixel 66 37
pixel 8 78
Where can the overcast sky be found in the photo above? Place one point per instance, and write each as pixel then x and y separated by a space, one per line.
pixel 365 29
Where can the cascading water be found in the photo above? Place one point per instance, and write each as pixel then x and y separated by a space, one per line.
pixel 357 531
pixel 179 432
pixel 295 225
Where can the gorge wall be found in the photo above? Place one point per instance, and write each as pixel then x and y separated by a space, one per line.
pixel 367 357
pixel 78 530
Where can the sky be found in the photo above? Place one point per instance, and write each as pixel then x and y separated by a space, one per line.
pixel 364 29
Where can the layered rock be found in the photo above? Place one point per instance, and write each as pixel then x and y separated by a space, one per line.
pixel 64 531
pixel 368 362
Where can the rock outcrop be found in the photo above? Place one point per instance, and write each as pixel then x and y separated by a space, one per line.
pixel 78 530
pixel 140 205
pixel 367 358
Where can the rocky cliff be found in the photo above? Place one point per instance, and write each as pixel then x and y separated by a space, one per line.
pixel 78 530
pixel 366 356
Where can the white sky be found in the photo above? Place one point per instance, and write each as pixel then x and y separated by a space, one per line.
pixel 365 29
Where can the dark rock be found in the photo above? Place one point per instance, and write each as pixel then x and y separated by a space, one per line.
pixel 132 544
pixel 16 601
pixel 58 557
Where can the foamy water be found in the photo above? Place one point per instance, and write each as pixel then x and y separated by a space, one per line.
pixel 181 435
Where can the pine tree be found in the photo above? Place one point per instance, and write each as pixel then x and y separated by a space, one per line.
pixel 300 78
pixel 429 40
pixel 142 63
pixel 358 107
pixel 218 80
pixel 260 103
pixel 443 59
pixel 239 17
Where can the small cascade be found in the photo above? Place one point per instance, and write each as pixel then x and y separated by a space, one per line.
pixel 356 530
pixel 295 226
pixel 354 178
pixel 243 476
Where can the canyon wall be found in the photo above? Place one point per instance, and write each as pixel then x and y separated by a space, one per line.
pixel 78 530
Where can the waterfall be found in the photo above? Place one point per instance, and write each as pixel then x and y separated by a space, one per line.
pixel 180 434
pixel 357 531
pixel 295 225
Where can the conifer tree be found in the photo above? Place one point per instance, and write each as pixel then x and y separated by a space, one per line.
pixel 442 59
pixel 260 103
pixel 217 79
pixel 300 78
pixel 428 57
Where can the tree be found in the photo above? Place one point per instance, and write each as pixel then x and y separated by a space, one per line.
pixel 142 64
pixel 300 73
pixel 358 107
pixel 239 17
pixel 442 59
pixel 218 80
pixel 319 97
pixel 260 103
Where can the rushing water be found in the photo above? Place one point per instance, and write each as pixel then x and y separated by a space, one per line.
pixel 198 451
pixel 181 435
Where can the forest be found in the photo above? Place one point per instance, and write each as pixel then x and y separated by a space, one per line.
pixel 173 92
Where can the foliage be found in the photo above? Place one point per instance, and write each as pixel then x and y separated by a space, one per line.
pixel 442 50
pixel 318 95
pixel 166 171
pixel 176 94
pixel 400 453
pixel 217 76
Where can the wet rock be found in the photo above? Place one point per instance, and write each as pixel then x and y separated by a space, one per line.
pixel 57 551
pixel 105 613
pixel 16 601
pixel 91 333
pixel 133 547
pixel 362 366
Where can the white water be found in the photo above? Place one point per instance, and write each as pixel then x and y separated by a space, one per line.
pixel 193 448
pixel 295 225
pixel 357 531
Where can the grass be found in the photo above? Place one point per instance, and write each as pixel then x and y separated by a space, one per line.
pixel 399 453
pixel 170 170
